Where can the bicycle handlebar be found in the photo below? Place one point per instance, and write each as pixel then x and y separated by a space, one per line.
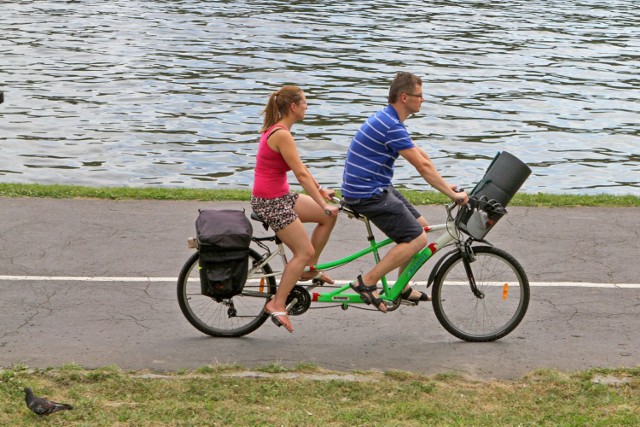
pixel 336 201
pixel 453 204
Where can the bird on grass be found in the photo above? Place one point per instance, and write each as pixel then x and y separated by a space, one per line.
pixel 42 406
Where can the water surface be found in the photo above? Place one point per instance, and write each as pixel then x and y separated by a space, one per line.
pixel 169 93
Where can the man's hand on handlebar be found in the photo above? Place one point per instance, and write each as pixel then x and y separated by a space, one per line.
pixel 461 197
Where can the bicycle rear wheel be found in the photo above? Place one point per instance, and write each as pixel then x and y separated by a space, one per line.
pixel 233 317
pixel 501 305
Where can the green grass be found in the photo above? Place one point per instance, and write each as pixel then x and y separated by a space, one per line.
pixel 214 396
pixel 57 191
pixel 416 197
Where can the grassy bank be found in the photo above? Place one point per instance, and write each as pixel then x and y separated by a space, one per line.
pixel 221 397
pixel 416 197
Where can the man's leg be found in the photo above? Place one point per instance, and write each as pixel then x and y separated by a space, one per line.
pixel 396 218
pixel 415 295
pixel 398 256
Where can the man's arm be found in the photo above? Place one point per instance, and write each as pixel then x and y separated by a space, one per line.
pixel 425 167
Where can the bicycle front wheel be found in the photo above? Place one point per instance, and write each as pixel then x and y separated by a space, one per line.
pixel 232 317
pixel 495 310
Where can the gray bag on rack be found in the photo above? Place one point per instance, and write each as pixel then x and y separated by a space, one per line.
pixel 489 198
pixel 224 237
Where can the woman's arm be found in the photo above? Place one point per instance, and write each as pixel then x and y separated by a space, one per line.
pixel 285 144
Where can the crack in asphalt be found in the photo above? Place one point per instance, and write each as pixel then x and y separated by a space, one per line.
pixel 18 328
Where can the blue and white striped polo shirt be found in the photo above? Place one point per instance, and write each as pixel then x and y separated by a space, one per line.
pixel 373 151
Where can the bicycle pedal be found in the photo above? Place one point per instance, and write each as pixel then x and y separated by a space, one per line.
pixel 409 303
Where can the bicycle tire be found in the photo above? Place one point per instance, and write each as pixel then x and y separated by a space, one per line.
pixel 233 317
pixel 504 284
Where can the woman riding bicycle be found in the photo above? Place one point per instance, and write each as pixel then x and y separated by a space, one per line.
pixel 285 211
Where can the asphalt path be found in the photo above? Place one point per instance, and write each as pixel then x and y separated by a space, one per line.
pixel 92 282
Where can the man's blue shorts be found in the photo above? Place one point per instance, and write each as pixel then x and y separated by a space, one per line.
pixel 391 212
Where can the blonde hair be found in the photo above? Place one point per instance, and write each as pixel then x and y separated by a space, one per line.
pixel 278 105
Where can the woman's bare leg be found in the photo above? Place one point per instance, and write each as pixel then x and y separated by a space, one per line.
pixel 309 211
pixel 295 237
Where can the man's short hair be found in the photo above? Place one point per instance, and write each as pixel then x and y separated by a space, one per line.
pixel 403 83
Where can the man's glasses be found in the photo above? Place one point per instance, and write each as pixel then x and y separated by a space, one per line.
pixel 417 95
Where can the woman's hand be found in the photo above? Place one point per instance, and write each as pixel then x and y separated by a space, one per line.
pixel 331 210
pixel 327 194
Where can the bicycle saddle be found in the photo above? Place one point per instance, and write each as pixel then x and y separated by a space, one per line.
pixel 350 211
pixel 256 217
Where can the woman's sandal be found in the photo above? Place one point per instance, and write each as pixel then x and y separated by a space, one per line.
pixel 366 293
pixel 406 295
pixel 321 275
pixel 275 317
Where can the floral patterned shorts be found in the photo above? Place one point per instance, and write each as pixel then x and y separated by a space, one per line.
pixel 278 212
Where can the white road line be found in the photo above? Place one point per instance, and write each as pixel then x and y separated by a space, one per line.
pixel 340 282
pixel 88 279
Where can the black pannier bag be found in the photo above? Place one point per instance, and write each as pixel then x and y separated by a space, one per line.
pixel 489 198
pixel 224 237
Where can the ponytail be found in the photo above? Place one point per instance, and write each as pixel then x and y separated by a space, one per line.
pixel 278 105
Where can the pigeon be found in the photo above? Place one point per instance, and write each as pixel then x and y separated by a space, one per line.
pixel 42 406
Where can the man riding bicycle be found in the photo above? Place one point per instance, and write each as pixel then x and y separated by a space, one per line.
pixel 367 187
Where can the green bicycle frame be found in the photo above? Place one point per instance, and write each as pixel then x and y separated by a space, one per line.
pixel 389 293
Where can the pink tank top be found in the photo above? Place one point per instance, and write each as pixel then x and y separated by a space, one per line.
pixel 270 175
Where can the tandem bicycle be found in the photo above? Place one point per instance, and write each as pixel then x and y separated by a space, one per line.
pixel 480 293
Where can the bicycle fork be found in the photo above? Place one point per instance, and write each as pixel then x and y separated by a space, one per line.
pixel 467 258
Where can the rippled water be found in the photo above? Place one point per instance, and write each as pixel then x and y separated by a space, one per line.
pixel 169 93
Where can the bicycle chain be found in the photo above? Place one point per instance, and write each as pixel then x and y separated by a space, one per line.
pixel 303 304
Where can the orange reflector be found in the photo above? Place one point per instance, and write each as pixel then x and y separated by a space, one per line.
pixel 505 291
pixel 261 284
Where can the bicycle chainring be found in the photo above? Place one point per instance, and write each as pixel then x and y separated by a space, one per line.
pixel 394 305
pixel 303 303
